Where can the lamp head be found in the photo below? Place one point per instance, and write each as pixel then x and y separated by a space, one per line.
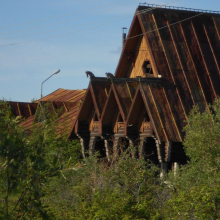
pixel 56 72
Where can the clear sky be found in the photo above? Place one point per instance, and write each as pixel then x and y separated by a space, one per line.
pixel 39 37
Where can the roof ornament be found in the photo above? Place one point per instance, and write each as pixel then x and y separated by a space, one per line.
pixel 109 75
pixel 90 74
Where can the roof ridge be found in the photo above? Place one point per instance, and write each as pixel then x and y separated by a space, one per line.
pixel 178 8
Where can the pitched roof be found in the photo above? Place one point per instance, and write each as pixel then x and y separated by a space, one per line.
pixel 183 47
pixel 68 100
pixel 64 95
pixel 131 98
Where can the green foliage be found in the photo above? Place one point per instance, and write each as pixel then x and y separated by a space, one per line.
pixel 43 177
pixel 28 162
pixel 195 192
pixel 97 189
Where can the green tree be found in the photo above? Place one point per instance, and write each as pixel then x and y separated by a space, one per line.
pixel 196 189
pixel 28 160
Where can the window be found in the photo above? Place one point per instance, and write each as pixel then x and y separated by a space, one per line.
pixel 147 67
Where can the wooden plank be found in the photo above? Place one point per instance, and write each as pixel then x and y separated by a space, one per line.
pixel 154 123
pixel 204 61
pixel 180 62
pixel 95 102
pixel 168 64
pixel 211 47
pixel 118 101
pixel 192 63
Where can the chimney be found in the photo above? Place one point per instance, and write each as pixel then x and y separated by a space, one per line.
pixel 123 36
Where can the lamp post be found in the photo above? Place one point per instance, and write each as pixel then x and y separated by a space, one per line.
pixel 46 80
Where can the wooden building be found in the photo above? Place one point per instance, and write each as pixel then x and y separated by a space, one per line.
pixel 170 62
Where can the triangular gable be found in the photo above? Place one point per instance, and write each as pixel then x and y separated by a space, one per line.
pixel 112 111
pixel 136 51
pixel 87 111
pixel 100 91
pixel 160 111
pixel 128 51
pixel 125 93
pixel 139 110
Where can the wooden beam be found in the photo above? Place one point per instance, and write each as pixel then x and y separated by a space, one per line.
pixel 180 61
pixel 129 91
pixel 173 79
pixel 149 114
pixel 197 40
pixel 173 119
pixel 210 44
pixel 95 103
pixel 190 55
pixel 65 107
pixel 29 108
pixel 19 111
pixel 118 102
pixel 162 126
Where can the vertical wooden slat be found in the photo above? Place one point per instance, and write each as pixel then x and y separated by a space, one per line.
pixel 210 44
pixel 19 111
pixel 173 79
pixel 29 108
pixel 150 114
pixel 174 121
pixel 177 52
pixel 193 63
pixel 162 126
pixel 197 40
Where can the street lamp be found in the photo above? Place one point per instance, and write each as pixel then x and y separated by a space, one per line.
pixel 46 80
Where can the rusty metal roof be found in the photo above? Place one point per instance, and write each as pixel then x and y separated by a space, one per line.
pixel 66 101
pixel 65 95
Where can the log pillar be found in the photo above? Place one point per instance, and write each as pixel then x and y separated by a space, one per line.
pixel 92 143
pixel 84 142
pixel 116 144
pixel 163 169
pixel 141 147
pixel 175 168
pixel 106 142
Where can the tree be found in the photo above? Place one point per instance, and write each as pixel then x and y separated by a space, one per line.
pixel 196 188
pixel 27 163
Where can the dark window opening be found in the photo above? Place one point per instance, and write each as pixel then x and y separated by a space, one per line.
pixel 95 117
pixel 120 118
pixel 146 117
pixel 147 67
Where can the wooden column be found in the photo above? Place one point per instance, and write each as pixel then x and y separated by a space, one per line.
pixel 107 149
pixel 116 144
pixel 92 143
pixel 167 151
pixel 84 144
pixel 163 169
pixel 141 147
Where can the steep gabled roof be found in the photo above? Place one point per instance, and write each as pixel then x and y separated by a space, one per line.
pixel 183 47
pixel 131 98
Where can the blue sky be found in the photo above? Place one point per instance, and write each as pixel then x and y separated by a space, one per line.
pixel 39 37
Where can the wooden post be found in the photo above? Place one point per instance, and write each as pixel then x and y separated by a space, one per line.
pixel 92 143
pixel 107 149
pixel 163 169
pixel 116 146
pixel 175 168
pixel 141 147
